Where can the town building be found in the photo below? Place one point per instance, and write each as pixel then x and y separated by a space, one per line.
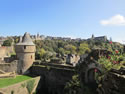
pixel 100 38
pixel 72 59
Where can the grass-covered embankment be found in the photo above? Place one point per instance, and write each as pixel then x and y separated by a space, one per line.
pixel 9 81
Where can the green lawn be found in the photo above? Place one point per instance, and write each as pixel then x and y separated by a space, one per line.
pixel 9 81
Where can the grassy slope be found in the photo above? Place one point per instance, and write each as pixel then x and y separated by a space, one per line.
pixel 9 81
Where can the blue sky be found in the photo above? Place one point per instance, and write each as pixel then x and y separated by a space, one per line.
pixel 66 18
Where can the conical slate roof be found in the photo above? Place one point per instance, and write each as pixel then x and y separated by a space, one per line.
pixel 26 40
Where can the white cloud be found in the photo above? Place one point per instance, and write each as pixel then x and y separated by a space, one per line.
pixel 117 20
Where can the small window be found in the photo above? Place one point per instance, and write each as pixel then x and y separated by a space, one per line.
pixel 24 47
pixel 31 57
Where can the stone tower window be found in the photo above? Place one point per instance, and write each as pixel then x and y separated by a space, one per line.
pixel 24 47
pixel 31 57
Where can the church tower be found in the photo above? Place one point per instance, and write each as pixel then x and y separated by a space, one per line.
pixel 92 36
pixel 25 51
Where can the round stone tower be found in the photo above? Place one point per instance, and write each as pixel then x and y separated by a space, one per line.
pixel 25 51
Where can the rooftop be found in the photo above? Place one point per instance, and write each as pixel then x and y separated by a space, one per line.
pixel 25 40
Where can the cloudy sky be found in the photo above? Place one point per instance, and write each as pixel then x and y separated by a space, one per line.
pixel 66 18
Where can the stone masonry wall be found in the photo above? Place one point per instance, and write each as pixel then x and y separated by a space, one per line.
pixel 9 67
pixel 113 83
pixel 53 79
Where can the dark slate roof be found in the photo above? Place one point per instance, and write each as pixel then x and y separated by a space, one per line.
pixel 26 40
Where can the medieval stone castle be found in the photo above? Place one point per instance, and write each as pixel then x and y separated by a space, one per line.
pixel 25 56
pixel 25 51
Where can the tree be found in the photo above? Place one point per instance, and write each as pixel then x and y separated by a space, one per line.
pixel 7 43
pixel 61 51
pixel 42 52
pixel 83 48
pixel 71 48
pixel 47 56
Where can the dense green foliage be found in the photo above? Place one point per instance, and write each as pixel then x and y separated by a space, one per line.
pixel 114 60
pixel 9 81
pixel 76 87
pixel 73 86
pixel 7 42
pixel 48 49
pixel 84 47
